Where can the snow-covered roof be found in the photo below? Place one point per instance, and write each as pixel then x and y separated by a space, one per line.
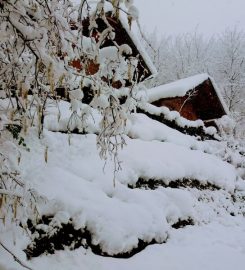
pixel 218 92
pixel 133 33
pixel 181 87
pixel 134 37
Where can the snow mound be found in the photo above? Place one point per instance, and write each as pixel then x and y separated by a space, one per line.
pixel 144 128
pixel 78 187
pixel 170 162
pixel 74 182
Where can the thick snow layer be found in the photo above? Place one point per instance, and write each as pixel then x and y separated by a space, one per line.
pixel 142 127
pixel 208 247
pixel 218 245
pixel 75 183
pixel 181 87
pixel 176 89
pixel 139 126
pixel 61 118
pixel 148 159
pixel 175 116
pixel 171 115
pixel 167 161
pixel 74 180
pixel 76 186
pixel 58 119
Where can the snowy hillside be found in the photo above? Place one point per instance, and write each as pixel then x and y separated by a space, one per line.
pixel 167 180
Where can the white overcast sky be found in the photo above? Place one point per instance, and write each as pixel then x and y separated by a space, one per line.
pixel 180 16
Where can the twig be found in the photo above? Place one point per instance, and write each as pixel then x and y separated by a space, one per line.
pixel 144 37
pixel 15 257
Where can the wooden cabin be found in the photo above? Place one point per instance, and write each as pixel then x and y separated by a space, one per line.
pixel 123 35
pixel 196 97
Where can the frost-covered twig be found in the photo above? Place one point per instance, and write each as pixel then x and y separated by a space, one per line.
pixel 144 37
pixel 190 95
pixel 15 257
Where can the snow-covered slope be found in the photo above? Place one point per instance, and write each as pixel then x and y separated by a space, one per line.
pixel 74 178
pixel 78 187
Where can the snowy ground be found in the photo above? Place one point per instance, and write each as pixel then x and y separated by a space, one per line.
pixel 78 187
pixel 208 247
pixel 211 247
